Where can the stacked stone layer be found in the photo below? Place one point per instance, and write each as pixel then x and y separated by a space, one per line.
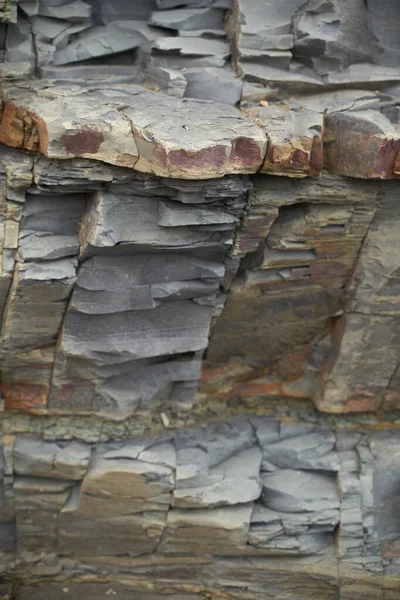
pixel 196 222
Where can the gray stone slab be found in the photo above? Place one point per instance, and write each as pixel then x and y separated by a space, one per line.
pixel 33 457
pixel 293 491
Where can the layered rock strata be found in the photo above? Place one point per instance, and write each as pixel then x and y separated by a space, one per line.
pixel 233 497
pixel 199 300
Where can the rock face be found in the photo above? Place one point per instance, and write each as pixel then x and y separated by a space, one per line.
pixel 199 300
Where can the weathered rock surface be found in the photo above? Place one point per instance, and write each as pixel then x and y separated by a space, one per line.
pixel 199 360
pixel 102 512
pixel 135 128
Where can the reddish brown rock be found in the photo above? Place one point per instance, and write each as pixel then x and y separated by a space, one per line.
pixel 294 140
pixel 361 144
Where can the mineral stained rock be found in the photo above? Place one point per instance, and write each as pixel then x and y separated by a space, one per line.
pixel 199 292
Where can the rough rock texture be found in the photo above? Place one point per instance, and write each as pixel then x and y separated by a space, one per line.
pixel 199 300
pixel 295 489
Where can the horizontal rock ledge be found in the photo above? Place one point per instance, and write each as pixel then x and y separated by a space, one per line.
pixel 349 133
pixel 133 127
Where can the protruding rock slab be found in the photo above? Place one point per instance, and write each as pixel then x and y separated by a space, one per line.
pixel 294 140
pixel 362 144
pixel 133 127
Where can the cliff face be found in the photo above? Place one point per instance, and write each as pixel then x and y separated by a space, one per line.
pixel 199 300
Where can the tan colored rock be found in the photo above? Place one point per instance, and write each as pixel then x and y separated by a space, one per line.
pixel 294 140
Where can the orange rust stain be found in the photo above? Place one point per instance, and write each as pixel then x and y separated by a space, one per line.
pixel 27 397
pixel 18 128
pixel 262 388
pixel 361 404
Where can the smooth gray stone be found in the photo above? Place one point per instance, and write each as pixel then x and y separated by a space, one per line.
pixel 267 75
pixel 181 290
pixel 63 460
pixel 267 431
pixel 203 33
pixel 383 18
pixel 257 16
pixel 100 41
pixel 293 491
pixel 102 289
pixel 61 269
pixel 73 11
pixel 114 10
pixel 8 537
pixel 365 74
pixel 99 272
pixel 5 281
pixel 30 8
pixel 104 302
pixel 192 46
pixel 188 18
pixel 47 28
pixel 141 384
pixel 63 38
pixel 279 59
pixel 309 451
pixel 175 61
pixel 160 451
pixel 116 36
pixel 55 215
pixel 44 246
pixel 172 327
pixel 213 84
pixel 19 44
pixel 173 214
pixel 167 4
pixel 234 481
pixel 171 81
pixel 283 41
pixel 112 219
pixel 211 445
pixel 376 283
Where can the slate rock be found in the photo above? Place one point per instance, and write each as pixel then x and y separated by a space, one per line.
pixel 312 451
pixel 234 481
pixel 33 457
pixel 293 491
pixel 218 85
pixel 187 18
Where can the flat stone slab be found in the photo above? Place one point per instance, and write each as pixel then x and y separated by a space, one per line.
pixel 350 133
pixel 133 127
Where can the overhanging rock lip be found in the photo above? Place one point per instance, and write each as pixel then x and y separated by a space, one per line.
pixel 132 127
